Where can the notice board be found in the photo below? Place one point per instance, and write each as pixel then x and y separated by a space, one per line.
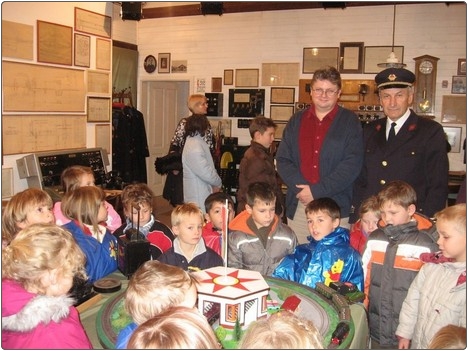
pixel 38 88
pixel 34 133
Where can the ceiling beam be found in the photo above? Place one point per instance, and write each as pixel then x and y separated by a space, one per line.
pixel 255 6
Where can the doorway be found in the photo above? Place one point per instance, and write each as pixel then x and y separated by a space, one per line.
pixel 163 104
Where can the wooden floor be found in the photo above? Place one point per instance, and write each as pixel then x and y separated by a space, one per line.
pixel 163 210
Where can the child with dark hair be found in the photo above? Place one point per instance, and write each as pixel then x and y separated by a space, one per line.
pixel 212 230
pixel 328 257
pixel 137 202
pixel 257 164
pixel 259 239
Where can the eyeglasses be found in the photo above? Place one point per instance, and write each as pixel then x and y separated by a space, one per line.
pixel 328 92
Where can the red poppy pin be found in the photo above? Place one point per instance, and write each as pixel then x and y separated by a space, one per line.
pixel 378 127
pixel 412 127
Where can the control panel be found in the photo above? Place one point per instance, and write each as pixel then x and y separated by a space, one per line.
pixel 43 170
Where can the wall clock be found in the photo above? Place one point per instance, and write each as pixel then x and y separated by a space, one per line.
pixel 425 85
pixel 150 64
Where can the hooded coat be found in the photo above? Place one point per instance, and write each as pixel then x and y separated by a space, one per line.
pixel 31 321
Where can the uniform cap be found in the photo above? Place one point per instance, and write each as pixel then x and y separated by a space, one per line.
pixel 394 78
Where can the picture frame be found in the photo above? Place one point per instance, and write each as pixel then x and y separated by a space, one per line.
pixel 103 137
pixel 314 58
pixel 7 183
pixel 54 43
pixel 280 74
pixel 93 23
pixel 280 129
pixel 351 57
pixel 461 69
pixel 281 112
pixel 82 50
pixel 247 77
pixel 164 63
pixel 103 54
pixel 453 135
pixel 453 109
pixel 282 95
pixel 458 84
pixel 373 55
pixel 216 84
pixel 228 77
pixel 179 66
pixel 150 64
pixel 99 109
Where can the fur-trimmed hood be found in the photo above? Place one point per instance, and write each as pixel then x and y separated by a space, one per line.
pixel 23 311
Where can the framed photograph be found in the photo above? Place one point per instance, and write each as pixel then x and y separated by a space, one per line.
pixel 99 109
pixel 82 50
pixel 103 136
pixel 281 112
pixel 247 77
pixel 179 66
pixel 315 58
pixel 458 84
pixel 103 54
pixel 282 96
pixel 279 130
pixel 54 43
pixel 374 55
pixel 228 77
pixel 351 57
pixel 461 70
pixel 150 64
pixel 164 63
pixel 216 84
pixel 453 135
pixel 92 23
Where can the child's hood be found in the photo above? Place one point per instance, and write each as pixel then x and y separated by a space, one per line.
pixel 23 311
pixel 240 223
pixel 424 223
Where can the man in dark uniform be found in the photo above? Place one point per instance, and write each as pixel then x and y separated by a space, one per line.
pixel 415 151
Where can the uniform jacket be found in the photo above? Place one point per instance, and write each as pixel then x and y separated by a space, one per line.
pixel 158 234
pixel 319 261
pixel 101 258
pixel 340 161
pixel 113 218
pixel 391 262
pixel 257 165
pixel 200 175
pixel 203 257
pixel 31 321
pixel 246 251
pixel 436 298
pixel 417 155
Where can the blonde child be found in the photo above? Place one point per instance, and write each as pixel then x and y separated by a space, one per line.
pixel 391 259
pixel 152 289
pixel 449 337
pixel 86 208
pixel 24 209
pixel 437 296
pixel 259 240
pixel 189 250
pixel 176 328
pixel 37 272
pixel 369 216
pixel 282 330
pixel 158 234
pixel 212 230
pixel 78 176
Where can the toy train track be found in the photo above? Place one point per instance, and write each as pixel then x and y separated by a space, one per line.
pixel 338 301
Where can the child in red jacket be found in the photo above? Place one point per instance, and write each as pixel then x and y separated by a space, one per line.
pixel 369 216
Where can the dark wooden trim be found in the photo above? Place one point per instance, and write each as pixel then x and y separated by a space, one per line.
pixel 255 6
pixel 124 45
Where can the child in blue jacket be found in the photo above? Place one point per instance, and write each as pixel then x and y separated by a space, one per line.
pixel 87 210
pixel 328 257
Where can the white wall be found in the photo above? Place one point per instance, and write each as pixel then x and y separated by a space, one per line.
pixel 212 44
